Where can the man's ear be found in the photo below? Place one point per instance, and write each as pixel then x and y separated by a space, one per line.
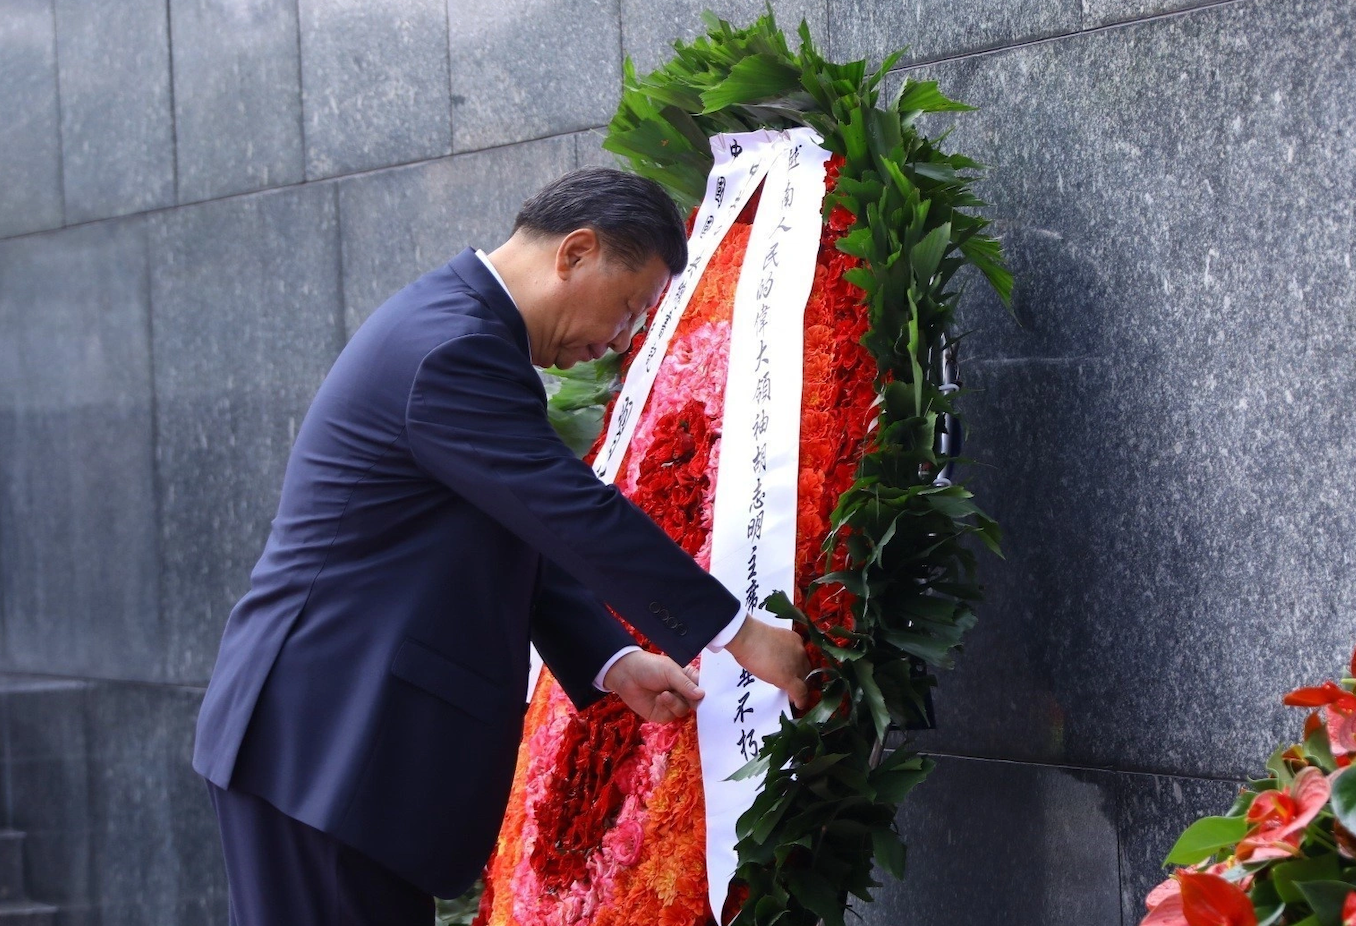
pixel 575 249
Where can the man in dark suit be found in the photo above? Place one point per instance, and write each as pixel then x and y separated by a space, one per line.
pixel 360 729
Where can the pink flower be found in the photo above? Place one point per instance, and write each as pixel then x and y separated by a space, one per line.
pixel 1167 907
pixel 624 842
pixel 1279 817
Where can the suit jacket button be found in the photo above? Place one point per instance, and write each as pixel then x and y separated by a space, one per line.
pixel 681 631
pixel 654 607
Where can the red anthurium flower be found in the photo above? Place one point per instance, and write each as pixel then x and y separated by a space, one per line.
pixel 1278 818
pixel 1165 902
pixel 1329 694
pixel 1349 910
pixel 1209 900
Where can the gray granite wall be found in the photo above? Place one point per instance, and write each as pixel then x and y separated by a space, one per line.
pixel 200 201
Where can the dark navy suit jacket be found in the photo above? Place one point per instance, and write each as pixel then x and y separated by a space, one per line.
pixel 370 683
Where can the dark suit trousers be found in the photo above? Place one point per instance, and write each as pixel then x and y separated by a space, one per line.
pixel 282 872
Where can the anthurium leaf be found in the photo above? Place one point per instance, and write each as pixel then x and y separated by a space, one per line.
pixel 1344 799
pixel 1289 876
pixel 1318 747
pixel 1326 899
pixel 1204 838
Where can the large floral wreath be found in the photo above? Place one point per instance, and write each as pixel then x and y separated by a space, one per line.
pixel 605 820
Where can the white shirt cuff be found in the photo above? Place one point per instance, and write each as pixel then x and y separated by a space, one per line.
pixel 722 639
pixel 717 644
pixel 602 673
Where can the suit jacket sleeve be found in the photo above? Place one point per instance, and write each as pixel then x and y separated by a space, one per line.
pixel 573 633
pixel 476 421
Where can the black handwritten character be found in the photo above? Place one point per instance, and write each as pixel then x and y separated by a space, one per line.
pixel 760 424
pixel 763 391
pixel 760 459
pixel 742 710
pixel 755 529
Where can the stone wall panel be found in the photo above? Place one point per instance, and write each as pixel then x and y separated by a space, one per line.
pixel 237 96
pixel 78 543
pixel 247 320
pixel 117 122
pixel 30 159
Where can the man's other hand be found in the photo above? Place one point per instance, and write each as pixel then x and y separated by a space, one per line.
pixel 654 686
pixel 774 654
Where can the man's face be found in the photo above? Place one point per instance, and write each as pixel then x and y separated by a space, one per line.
pixel 601 301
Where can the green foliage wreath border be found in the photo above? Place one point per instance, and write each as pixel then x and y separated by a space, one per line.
pixel 827 807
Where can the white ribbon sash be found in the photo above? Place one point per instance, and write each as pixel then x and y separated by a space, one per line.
pixel 742 160
pixel 754 530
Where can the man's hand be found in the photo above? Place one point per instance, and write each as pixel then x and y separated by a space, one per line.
pixel 654 686
pixel 774 654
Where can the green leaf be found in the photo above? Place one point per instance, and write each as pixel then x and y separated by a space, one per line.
pixel 927 254
pixel 875 701
pixel 1269 915
pixel 817 895
pixel 1289 876
pixel 923 96
pixel 756 77
pixel 1344 799
pixel 1318 747
pixel 1326 898
pixel 889 851
pixel 1204 838
pixel 987 256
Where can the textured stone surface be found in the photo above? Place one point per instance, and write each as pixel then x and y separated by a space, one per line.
pixel 938 28
pixel 117 132
pixel 1169 444
pixel 400 223
pixel 649 29
pixel 237 96
pixel 78 558
pixel 1103 12
pixel 525 69
pixel 30 159
pixel 1154 810
pixel 588 149
pixel 153 833
pixel 247 320
pixel 47 762
pixel 374 83
pixel 998 842
pixel 119 826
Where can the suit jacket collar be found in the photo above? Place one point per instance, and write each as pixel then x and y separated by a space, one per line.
pixel 475 274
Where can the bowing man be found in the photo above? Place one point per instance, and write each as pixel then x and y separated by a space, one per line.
pixel 360 729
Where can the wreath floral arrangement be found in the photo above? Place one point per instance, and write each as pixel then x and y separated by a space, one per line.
pixel 1285 853
pixel 605 818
